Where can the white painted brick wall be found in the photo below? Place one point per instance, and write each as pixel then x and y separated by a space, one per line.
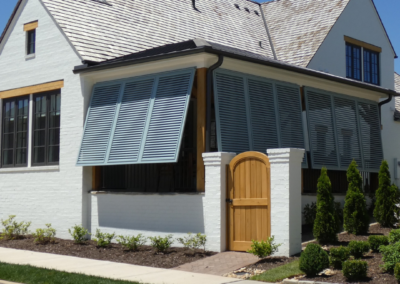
pixel 286 199
pixel 48 196
pixel 148 214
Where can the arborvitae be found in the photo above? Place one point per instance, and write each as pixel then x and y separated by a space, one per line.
pixel 355 215
pixel 325 225
pixel 386 198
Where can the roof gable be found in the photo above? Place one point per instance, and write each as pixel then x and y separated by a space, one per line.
pixel 100 32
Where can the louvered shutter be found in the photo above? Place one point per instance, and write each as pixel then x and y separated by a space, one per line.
pixel 262 115
pixel 131 122
pixel 370 135
pixel 321 130
pixel 231 113
pixel 347 131
pixel 99 124
pixel 168 117
pixel 290 117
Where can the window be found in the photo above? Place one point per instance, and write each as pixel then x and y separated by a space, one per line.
pixel 46 129
pixel 31 42
pixel 15 131
pixel 371 66
pixel 353 62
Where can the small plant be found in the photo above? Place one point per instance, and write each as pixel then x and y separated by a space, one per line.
pixel 355 269
pixel 103 239
pixel 79 234
pixel 397 271
pixel 390 256
pixel 338 256
pixel 313 260
pixel 132 242
pixel 358 248
pixel 386 209
pixel 355 215
pixel 46 235
pixel 13 230
pixel 161 244
pixel 310 212
pixel 377 241
pixel 264 248
pixel 394 236
pixel 193 242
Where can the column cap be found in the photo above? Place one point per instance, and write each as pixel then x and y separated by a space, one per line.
pixel 285 154
pixel 215 158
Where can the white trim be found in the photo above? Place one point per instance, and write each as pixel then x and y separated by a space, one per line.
pixel 30 56
pixel 30 170
pixel 30 130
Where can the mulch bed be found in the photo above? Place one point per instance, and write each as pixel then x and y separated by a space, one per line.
pixel 272 262
pixel 374 260
pixel 145 256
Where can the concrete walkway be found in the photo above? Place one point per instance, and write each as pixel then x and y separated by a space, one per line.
pixel 220 264
pixel 113 270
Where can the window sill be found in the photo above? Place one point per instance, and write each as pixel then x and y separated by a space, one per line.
pixel 146 193
pixel 30 56
pixel 30 170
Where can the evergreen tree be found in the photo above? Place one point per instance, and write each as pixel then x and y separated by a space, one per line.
pixel 325 225
pixel 386 198
pixel 355 215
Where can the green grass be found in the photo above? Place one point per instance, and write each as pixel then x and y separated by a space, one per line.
pixel 32 275
pixel 277 274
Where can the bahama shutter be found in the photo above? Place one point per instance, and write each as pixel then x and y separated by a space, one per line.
pixel 290 117
pixel 143 123
pixel 371 140
pixel 231 112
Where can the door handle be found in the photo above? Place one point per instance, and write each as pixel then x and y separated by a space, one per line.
pixel 230 201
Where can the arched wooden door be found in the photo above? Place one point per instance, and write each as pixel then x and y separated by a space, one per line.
pixel 248 200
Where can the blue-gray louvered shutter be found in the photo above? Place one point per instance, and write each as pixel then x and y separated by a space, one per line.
pixel 290 117
pixel 347 130
pixel 370 135
pixel 99 124
pixel 262 115
pixel 168 116
pixel 321 130
pixel 231 113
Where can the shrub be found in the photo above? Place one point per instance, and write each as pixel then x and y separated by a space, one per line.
pixel 338 256
pixel 14 230
pixel 264 248
pixel 313 260
pixel 79 234
pixel 385 211
pixel 310 212
pixel 355 269
pixel 376 241
pixel 132 242
pixel 358 248
pixel 161 244
pixel 325 226
pixel 394 236
pixel 390 256
pixel 355 215
pixel 193 242
pixel 46 235
pixel 397 271
pixel 103 239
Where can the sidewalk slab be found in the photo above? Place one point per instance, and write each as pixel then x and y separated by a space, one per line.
pixel 112 270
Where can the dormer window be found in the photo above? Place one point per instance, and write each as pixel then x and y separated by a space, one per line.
pixel 30 30
pixel 362 61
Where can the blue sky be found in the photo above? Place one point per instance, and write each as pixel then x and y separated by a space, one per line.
pixel 388 10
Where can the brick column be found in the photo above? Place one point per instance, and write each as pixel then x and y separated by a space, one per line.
pixel 214 202
pixel 286 199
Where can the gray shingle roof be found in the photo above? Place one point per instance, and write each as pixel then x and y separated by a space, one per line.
pixel 298 27
pixel 100 32
pixel 397 89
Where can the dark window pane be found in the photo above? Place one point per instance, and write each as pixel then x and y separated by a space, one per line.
pixel 8 125
pixel 54 154
pixel 21 156
pixel 54 120
pixel 38 155
pixel 40 121
pixel 31 42
pixel 55 102
pixel 8 157
pixel 353 62
pixel 8 141
pixel 39 138
pixel 21 140
pixel 22 123
pixel 54 136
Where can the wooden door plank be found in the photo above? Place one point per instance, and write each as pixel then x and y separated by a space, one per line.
pixel 251 202
pixel 248 178
pixel 248 224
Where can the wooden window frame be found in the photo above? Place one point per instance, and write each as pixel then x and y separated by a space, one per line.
pixel 14 165
pixel 47 129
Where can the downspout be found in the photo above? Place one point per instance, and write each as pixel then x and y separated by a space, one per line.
pixel 388 100
pixel 210 80
pixel 268 34
pixel 194 5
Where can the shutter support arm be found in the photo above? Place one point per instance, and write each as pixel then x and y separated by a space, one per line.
pixel 210 72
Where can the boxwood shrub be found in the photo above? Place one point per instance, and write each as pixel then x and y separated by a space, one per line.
pixel 397 271
pixel 313 260
pixel 390 256
pixel 358 248
pixel 338 256
pixel 355 269
pixel 377 241
pixel 394 236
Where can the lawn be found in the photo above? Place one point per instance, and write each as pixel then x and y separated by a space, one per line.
pixel 280 273
pixel 32 275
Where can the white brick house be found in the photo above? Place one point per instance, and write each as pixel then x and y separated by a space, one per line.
pixel 85 48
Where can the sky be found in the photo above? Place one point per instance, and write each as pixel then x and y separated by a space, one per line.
pixel 388 10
